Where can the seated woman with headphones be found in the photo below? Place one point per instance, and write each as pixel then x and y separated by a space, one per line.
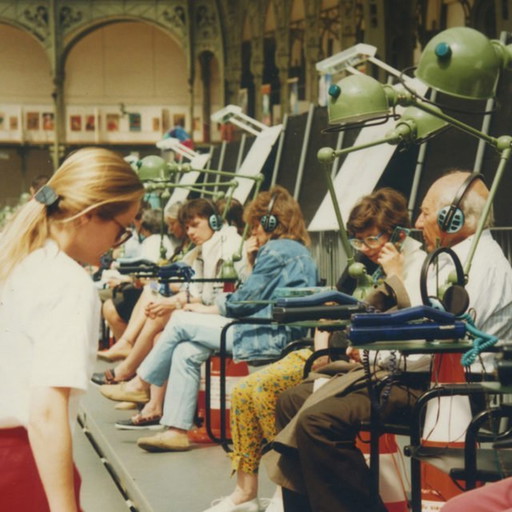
pixel 279 256
pixel 215 242
pixel 378 228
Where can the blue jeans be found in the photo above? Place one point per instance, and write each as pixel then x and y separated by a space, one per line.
pixel 187 341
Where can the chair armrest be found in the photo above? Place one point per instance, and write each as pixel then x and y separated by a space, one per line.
pixel 319 353
pixel 444 390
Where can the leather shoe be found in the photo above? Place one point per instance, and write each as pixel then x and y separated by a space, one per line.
pixel 112 356
pixel 106 377
pixel 165 442
pixel 119 393
pixel 139 422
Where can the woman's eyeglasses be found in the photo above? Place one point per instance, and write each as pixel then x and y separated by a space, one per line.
pixel 372 242
pixel 123 235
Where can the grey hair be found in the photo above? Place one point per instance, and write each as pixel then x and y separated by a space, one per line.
pixel 472 203
pixel 152 220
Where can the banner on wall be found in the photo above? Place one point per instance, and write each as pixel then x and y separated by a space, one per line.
pixel 324 82
pixel 266 111
pixel 243 100
pixel 293 88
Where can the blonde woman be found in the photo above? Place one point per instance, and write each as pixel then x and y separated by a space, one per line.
pixel 49 317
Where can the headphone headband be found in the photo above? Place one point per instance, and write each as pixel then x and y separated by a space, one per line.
pixel 215 220
pixel 269 221
pixel 451 218
pixel 271 203
pixel 455 299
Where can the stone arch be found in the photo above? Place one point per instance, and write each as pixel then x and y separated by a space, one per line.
pixel 85 29
pixel 24 28
pixel 114 53
pixel 31 65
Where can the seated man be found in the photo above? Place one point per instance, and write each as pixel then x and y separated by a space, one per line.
pixel 318 454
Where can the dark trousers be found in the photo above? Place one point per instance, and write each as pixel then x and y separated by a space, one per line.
pixel 336 474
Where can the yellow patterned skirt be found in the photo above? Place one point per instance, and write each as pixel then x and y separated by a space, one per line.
pixel 253 404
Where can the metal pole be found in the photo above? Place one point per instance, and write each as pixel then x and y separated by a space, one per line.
pixel 303 153
pixel 418 170
pixel 279 151
pixel 505 156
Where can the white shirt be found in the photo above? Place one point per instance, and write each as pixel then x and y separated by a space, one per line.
pixel 49 318
pixel 414 256
pixel 207 260
pixel 132 247
pixel 150 247
pixel 489 288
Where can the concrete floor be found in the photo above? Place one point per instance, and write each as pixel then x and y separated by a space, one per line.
pixel 158 482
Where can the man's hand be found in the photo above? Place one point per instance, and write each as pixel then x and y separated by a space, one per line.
pixel 354 354
pixel 320 362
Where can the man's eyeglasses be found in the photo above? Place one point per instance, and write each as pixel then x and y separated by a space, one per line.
pixel 372 242
pixel 123 235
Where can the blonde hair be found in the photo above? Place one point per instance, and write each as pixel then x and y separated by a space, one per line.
pixel 289 215
pixel 90 179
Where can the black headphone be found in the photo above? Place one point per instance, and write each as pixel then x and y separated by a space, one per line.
pixel 455 299
pixel 215 220
pixel 451 218
pixel 269 221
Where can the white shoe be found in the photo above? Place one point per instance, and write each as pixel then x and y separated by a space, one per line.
pixel 227 505
pixel 274 504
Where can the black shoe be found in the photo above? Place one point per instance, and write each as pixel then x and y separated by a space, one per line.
pixel 106 377
pixel 140 423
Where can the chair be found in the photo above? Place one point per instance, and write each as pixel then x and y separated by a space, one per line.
pixel 376 428
pixel 223 439
pixel 470 464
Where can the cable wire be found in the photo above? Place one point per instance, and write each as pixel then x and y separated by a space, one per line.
pixel 481 342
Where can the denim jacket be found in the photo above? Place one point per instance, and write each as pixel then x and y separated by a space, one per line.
pixel 279 263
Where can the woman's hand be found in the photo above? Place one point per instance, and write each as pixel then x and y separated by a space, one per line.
pixel 160 306
pixel 391 260
pixel 251 248
pixel 50 439
pixel 197 307
pixel 113 282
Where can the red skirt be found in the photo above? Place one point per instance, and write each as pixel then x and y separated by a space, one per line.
pixel 21 489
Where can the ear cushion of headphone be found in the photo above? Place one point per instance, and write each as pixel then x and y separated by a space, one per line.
pixel 269 223
pixel 456 299
pixel 450 219
pixel 215 222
